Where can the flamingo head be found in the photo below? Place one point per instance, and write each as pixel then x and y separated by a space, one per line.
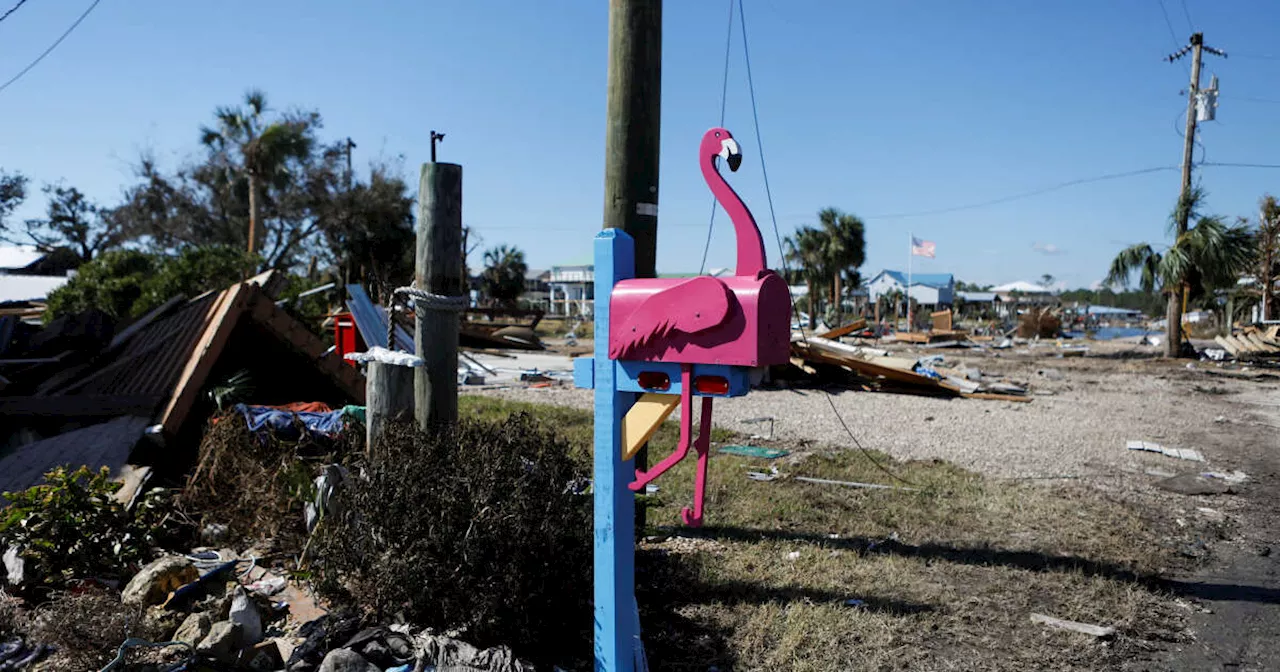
pixel 719 142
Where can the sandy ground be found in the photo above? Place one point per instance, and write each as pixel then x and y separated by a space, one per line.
pixel 1083 413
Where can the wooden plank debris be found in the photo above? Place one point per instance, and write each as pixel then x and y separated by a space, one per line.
pixel 856 325
pixel 1074 626
pixel 1179 453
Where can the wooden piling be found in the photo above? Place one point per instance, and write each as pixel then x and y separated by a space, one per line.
pixel 388 398
pixel 438 270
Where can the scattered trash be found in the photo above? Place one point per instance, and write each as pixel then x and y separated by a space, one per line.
pixel 328 480
pixel 14 565
pixel 1050 374
pixel 245 613
pixel 1180 453
pixel 761 476
pixel 133 642
pixel 214 533
pixel 855 484
pixel 755 451
pixel 854 603
pixel 153 583
pixel 1220 419
pixel 267 585
pixel 793 555
pixel 1232 477
pixel 470 378
pixel 1215 354
pixel 1213 515
pixel 756 421
pixel 1074 626
pixel 651 489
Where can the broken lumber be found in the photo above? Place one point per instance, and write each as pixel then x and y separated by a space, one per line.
pixel 993 396
pixel 1227 345
pixel 856 325
pixel 1074 626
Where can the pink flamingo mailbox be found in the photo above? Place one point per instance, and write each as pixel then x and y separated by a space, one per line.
pixel 659 343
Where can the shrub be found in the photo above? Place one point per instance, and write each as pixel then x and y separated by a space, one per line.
pixel 472 529
pixel 72 527
pixel 86 627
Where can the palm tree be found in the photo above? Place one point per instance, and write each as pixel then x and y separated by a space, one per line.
pixel 1209 256
pixel 264 148
pixel 503 277
pixel 806 249
pixel 845 249
pixel 1268 253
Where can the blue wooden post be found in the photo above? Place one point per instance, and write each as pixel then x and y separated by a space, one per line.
pixel 616 627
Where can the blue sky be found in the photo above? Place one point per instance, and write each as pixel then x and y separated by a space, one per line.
pixel 876 108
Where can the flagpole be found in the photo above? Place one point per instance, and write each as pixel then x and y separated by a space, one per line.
pixel 911 239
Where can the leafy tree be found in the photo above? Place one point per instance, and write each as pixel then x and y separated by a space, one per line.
pixel 113 283
pixel 962 286
pixel 806 249
pixel 503 277
pixel 371 238
pixel 1211 255
pixel 128 283
pixel 1268 255
pixel 845 249
pixel 1047 280
pixel 250 147
pixel 75 223
pixel 13 191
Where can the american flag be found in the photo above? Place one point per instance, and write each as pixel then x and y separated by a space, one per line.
pixel 923 248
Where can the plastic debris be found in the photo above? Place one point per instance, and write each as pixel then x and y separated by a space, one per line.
pixel 755 451
pixel 1232 477
pixel 385 356
pixel 1179 453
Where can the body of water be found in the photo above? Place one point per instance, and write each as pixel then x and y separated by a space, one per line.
pixel 1109 333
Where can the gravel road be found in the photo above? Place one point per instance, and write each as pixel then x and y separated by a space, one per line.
pixel 1084 410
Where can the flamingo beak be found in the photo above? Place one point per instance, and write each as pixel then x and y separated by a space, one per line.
pixel 730 152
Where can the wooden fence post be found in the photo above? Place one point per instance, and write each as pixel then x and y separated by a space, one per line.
pixel 438 270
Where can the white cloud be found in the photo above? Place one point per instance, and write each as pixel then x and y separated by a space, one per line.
pixel 1047 248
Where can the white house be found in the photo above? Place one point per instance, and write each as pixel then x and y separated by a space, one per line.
pixel 571 290
pixel 928 289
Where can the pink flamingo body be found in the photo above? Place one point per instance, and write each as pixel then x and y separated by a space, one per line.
pixel 739 320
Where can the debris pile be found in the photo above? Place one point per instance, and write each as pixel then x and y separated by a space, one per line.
pixel 1254 344
pixel 879 371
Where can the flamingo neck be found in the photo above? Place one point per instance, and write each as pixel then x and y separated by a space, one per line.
pixel 751 258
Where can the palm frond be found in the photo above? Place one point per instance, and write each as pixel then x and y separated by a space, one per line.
pixel 1133 258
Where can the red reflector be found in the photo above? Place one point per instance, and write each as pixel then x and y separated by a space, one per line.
pixel 655 380
pixel 711 385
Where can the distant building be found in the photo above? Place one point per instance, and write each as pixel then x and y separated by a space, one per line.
pixel 928 289
pixel 571 290
pixel 28 275
pixel 537 291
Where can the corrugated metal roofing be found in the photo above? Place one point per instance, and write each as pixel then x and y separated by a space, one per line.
pixel 103 445
pixel 150 363
pixel 371 321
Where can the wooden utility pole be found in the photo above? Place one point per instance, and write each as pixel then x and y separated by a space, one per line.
pixel 388 394
pixel 632 139
pixel 438 270
pixel 348 147
pixel 1178 295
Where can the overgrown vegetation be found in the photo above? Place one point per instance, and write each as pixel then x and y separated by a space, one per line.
pixel 796 576
pixel 477 530
pixel 258 485
pixel 71 527
pixel 86 626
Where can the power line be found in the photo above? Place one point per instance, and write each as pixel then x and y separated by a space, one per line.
pixel 1224 164
pixel 51 47
pixel 1173 34
pixel 12 10
pixel 1262 57
pixel 1025 194
pixel 764 171
pixel 1190 24
pixel 724 98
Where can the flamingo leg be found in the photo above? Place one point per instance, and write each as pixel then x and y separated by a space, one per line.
pixel 693 518
pixel 643 478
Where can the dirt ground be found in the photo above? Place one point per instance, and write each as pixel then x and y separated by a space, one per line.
pixel 1074 431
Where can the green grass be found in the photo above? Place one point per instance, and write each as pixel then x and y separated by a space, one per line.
pixel 947 576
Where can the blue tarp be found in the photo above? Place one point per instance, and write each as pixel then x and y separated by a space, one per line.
pixel 284 424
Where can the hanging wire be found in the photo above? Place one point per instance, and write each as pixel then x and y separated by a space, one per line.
pixel 724 98
pixel 755 117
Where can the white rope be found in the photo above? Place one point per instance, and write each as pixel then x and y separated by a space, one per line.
pixel 427 301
